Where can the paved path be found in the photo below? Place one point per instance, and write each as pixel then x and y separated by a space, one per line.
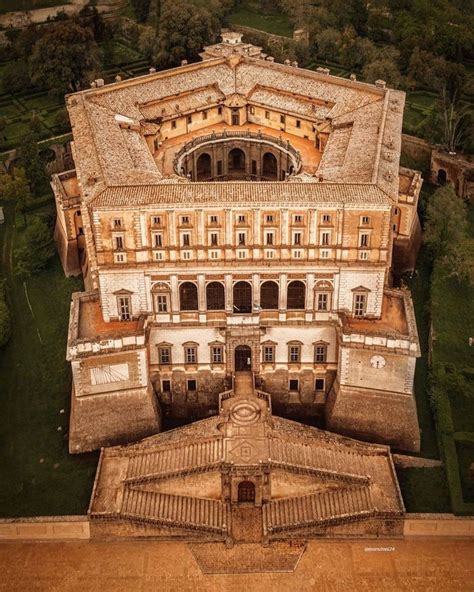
pixel 421 565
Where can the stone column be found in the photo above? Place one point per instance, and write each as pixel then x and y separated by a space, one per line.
pixel 228 292
pixel 174 298
pixel 309 296
pixel 256 291
pixel 282 303
pixel 201 281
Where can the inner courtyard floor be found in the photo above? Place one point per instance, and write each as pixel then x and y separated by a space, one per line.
pixel 356 565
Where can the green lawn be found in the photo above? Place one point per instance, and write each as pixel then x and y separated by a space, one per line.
pixel 37 474
pixel 424 489
pixel 276 24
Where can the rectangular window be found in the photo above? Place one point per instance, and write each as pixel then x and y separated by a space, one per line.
pixel 298 123
pixel 294 352
pixel 268 354
pixel 158 240
pixel 365 220
pixel 166 386
pixel 269 254
pixel 241 219
pixel 173 124
pixel 241 238
pixel 191 385
pixel 186 255
pixel 323 301
pixel 242 254
pixel 204 114
pixel 324 253
pixel 124 308
pixel 326 218
pixel 156 220
pixel 297 238
pixel 297 254
pixel 360 303
pixel 214 254
pixel 219 110
pixel 267 114
pixel 282 119
pixel 164 354
pixel 325 238
pixel 269 236
pixel 297 219
pixel 117 223
pixel 186 240
pixel 213 219
pixel 184 219
pixel 214 239
pixel 190 354
pixel 120 258
pixel 269 218
pixel 159 255
pixel 364 239
pixel 189 119
pixel 217 354
pixel 294 385
pixel 252 110
pixel 161 303
pixel 319 384
pixel 118 242
pixel 320 353
pixel 363 255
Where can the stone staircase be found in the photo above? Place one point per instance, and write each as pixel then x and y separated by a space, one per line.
pixel 318 509
pixel 172 461
pixel 162 509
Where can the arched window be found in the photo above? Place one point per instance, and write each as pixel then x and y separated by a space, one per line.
pixel 215 296
pixel 188 296
pixel 269 295
pixel 236 160
pixel 246 492
pixel 296 295
pixel 269 166
pixel 203 167
pixel 242 297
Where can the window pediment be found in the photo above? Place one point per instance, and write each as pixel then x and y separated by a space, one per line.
pixel 361 289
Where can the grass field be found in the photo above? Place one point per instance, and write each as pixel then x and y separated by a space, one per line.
pixel 37 474
pixel 275 24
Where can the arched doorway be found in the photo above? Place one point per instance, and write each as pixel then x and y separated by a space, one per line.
pixel 242 298
pixel 203 167
pixel 296 295
pixel 269 166
pixel 246 492
pixel 269 296
pixel 236 161
pixel 442 177
pixel 188 296
pixel 215 296
pixel 243 358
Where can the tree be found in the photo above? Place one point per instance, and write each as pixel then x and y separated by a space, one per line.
pixel 64 58
pixel 184 29
pixel 15 188
pixel 5 317
pixel 33 165
pixel 37 250
pixel 141 8
pixel 328 43
pixel 383 66
pixel 15 77
pixel 446 233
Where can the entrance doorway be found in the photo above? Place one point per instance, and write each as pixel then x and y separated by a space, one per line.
pixel 246 492
pixel 243 359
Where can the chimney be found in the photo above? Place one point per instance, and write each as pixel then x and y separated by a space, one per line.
pixel 118 78
pixel 380 83
pixel 100 82
pixel 353 77
pixel 152 70
pixel 184 62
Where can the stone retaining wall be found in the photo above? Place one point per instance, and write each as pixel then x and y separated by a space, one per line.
pixel 439 525
pixel 43 528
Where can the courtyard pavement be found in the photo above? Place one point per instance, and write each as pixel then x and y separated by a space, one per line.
pixel 345 565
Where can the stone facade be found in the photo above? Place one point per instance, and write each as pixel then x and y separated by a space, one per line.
pixel 239 214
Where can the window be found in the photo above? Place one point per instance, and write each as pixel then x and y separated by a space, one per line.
pixel 294 354
pixel 161 303
pixel 117 223
pixel 269 218
pixel 214 254
pixel 156 220
pixel 217 354
pixel 215 296
pixel 360 304
pixel 326 218
pixel 164 354
pixel 120 258
pixel 188 296
pixel 363 255
pixel 190 355
pixel 297 254
pixel 319 384
pixel 325 238
pixel 242 254
pixel 173 124
pixel 214 239
pixel 159 256
pixel 118 240
pixel 364 239
pixel 298 123
pixel 297 238
pixel 189 119
pixel 252 110
pixel 365 220
pixel 294 385
pixel 186 240
pixel 395 211
pixel 191 385
pixel 268 354
pixel 184 219
pixel 322 301
pixel 213 219
pixel 219 110
pixel 157 240
pixel 320 353
pixel 219 167
pixel 204 114
pixel 282 119
pixel 254 167
pixel 324 253
pixel 269 254
pixel 269 236
pixel 166 386
pixel 267 114
pixel 186 255
pixel 124 308
pixel 296 298
pixel 269 295
pixel 241 219
pixel 241 238
pixel 297 219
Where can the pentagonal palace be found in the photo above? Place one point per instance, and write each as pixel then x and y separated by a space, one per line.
pixel 239 214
